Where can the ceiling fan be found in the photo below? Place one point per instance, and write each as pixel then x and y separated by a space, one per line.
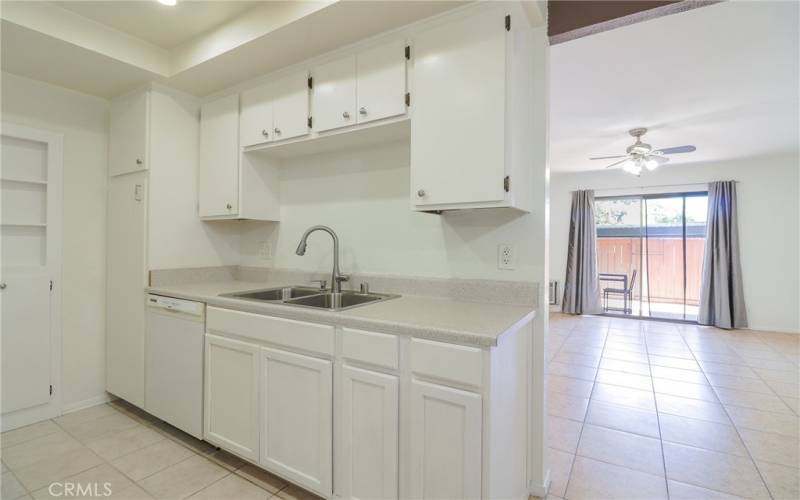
pixel 641 155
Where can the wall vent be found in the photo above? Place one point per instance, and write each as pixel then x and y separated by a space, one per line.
pixel 552 292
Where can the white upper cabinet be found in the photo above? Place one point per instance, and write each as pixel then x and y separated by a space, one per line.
pixel 218 173
pixel 290 107
pixel 127 144
pixel 381 82
pixel 335 94
pixel 256 119
pixel 471 115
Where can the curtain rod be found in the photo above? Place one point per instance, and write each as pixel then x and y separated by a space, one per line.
pixel 657 186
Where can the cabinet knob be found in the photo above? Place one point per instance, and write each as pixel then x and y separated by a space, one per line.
pixel 264 132
pixel 2 286
pixel 346 115
pixel 139 161
pixel 363 111
pixel 277 130
pixel 421 193
pixel 229 206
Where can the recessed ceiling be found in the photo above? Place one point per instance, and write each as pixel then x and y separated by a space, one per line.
pixel 161 25
pixel 722 77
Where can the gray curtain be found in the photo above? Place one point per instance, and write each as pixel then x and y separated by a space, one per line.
pixel 721 290
pixel 581 288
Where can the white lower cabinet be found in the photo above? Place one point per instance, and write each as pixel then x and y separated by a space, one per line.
pixel 367 435
pixel 445 442
pixel 297 418
pixel 232 374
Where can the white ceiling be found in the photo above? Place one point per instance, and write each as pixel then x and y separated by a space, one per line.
pixel 723 77
pixel 161 25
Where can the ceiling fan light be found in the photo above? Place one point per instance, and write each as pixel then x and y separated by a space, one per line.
pixel 632 167
pixel 651 164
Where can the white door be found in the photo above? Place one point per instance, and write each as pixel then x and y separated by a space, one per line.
pixel 127 143
pixel 297 407
pixel 335 94
pixel 126 277
pixel 367 450
pixel 381 82
pixel 231 395
pixel 290 106
pixel 445 442
pixel 31 260
pixel 458 108
pixel 255 122
pixel 218 171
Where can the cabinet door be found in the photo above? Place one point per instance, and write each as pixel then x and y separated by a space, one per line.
pixel 445 442
pixel 218 172
pixel 128 131
pixel 335 94
pixel 458 136
pixel 255 122
pixel 231 395
pixel 290 107
pixel 367 435
pixel 381 82
pixel 296 432
pixel 126 266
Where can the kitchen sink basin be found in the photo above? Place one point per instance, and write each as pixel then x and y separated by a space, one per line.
pixel 311 297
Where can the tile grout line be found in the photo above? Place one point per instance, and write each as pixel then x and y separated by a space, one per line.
pixel 658 417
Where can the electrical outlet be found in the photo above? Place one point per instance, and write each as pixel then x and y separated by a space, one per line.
pixel 506 257
pixel 265 249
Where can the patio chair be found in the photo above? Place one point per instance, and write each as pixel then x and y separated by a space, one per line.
pixel 627 295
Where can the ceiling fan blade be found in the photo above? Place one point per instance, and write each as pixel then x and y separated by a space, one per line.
pixel 660 159
pixel 677 149
pixel 618 162
pixel 608 157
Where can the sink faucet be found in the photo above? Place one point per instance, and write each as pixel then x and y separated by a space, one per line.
pixel 336 276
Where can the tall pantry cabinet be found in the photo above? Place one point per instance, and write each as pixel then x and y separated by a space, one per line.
pixel 151 132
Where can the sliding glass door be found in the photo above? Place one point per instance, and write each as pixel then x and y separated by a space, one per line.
pixel 650 254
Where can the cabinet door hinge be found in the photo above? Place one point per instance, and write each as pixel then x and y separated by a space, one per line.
pixel 408 52
pixel 310 122
pixel 508 22
pixel 51 285
pixel 311 82
pixel 408 99
pixel 51 390
pixel 507 183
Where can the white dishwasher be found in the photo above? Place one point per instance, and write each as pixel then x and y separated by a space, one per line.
pixel 174 362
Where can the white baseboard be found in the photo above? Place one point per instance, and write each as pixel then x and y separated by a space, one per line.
pixel 772 329
pixel 540 490
pixel 87 403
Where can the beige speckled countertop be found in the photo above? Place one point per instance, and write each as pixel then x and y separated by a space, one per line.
pixel 447 320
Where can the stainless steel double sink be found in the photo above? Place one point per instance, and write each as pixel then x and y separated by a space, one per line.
pixel 316 298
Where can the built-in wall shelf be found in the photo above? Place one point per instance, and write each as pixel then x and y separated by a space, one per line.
pixel 381 132
pixel 24 181
pixel 24 224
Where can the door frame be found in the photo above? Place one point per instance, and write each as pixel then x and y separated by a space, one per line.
pixel 55 166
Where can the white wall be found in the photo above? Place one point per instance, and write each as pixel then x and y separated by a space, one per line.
pixel 84 122
pixel 768 193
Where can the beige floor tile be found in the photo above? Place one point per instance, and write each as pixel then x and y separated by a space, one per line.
pixel 783 482
pixel 625 379
pixel 634 357
pixel 570 386
pixel 189 441
pixel 41 448
pixel 562 405
pixel 563 434
pixel 624 396
pixel 119 444
pixel 132 492
pixel 625 366
pixel 57 467
pixel 151 459
pixel 701 434
pixel 683 491
pixel 684 389
pixel 594 480
pixel 692 408
pixel 293 492
pixel 672 352
pixel 589 347
pixel 622 448
pixel 738 383
pixel 691 376
pixel 560 467
pixel 90 413
pixel 623 418
pixel 774 448
pixel 232 487
pixel 184 478
pixel 788 376
pixel 11 488
pixel 614 343
pixel 779 423
pixel 28 433
pixel 262 478
pixel 787 389
pixel 88 430
pixel 101 481
pixel 717 471
pixel 670 362
pixel 226 460
pixel 572 358
pixel 574 371
pixel 758 401
pixel 792 403
pixel 730 358
pixel 727 369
